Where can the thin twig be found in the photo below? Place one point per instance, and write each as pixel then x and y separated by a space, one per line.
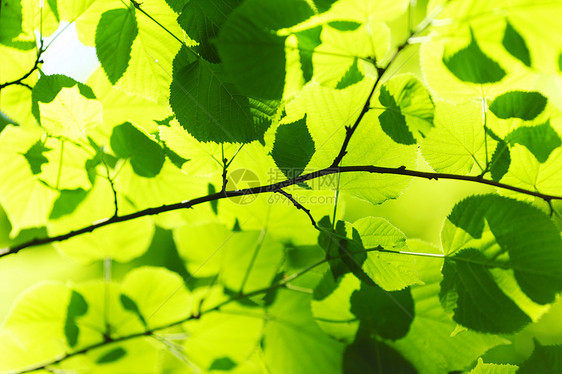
pixel 298 206
pixel 269 188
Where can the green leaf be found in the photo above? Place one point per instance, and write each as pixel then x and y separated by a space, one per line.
pixel 367 354
pixel 479 303
pixel 145 155
pixel 500 161
pixel 251 49
pixel 518 104
pixel 482 368
pixel 294 330
pixel 308 40
pixel 515 44
pixel 472 65
pixel 560 62
pixel 545 359
pixel 388 268
pixel 210 108
pixel 156 295
pixel 112 355
pixel 344 25
pixel 130 305
pixel 35 157
pixel 202 20
pixel 67 202
pixel 409 109
pixel 351 76
pixel 456 144
pixel 522 231
pixel 388 313
pixel 293 148
pixel 48 87
pixel 541 140
pixel 115 33
pixel 434 343
pixel 76 307
pixel 323 5
pixel 250 261
pixel 11 20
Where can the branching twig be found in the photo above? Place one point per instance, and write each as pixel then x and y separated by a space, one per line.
pixel 269 188
pixel 299 206
pixel 215 308
pixel 20 80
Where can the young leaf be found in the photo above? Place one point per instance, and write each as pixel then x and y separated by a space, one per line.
pixel 252 50
pixel 482 368
pixel 111 355
pixel 515 44
pixel 369 354
pixel 76 307
pixel 308 40
pixel 282 339
pixel 48 87
pixel 67 202
pixel 527 234
pixel 540 140
pixel 472 65
pixel 352 75
pixel 389 314
pixel 518 104
pixel 35 157
pixel 115 33
pixel 202 20
pixel 145 155
pixel 479 303
pixel 390 271
pixel 545 359
pixel 250 261
pixel 499 164
pixel 293 148
pixel 130 305
pixel 409 109
pixel 210 108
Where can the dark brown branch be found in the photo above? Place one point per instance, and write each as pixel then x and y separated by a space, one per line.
pixel 275 187
pixel 299 206
pixel 20 80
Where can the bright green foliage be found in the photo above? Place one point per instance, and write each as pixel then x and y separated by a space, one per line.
pixel 540 140
pixel 518 104
pixel 115 33
pixel 409 110
pixel 202 20
pixel 145 155
pixel 252 49
pixel 515 44
pixel 545 359
pixel 197 196
pixel 211 108
pixel 470 64
pixel 482 368
pixel 293 148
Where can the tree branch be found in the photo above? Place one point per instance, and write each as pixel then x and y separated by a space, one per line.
pixel 215 308
pixel 270 188
pixel 20 80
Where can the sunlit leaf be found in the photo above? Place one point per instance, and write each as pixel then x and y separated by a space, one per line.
pixel 515 44
pixel 472 65
pixel 293 148
pixel 115 33
pixel 518 104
